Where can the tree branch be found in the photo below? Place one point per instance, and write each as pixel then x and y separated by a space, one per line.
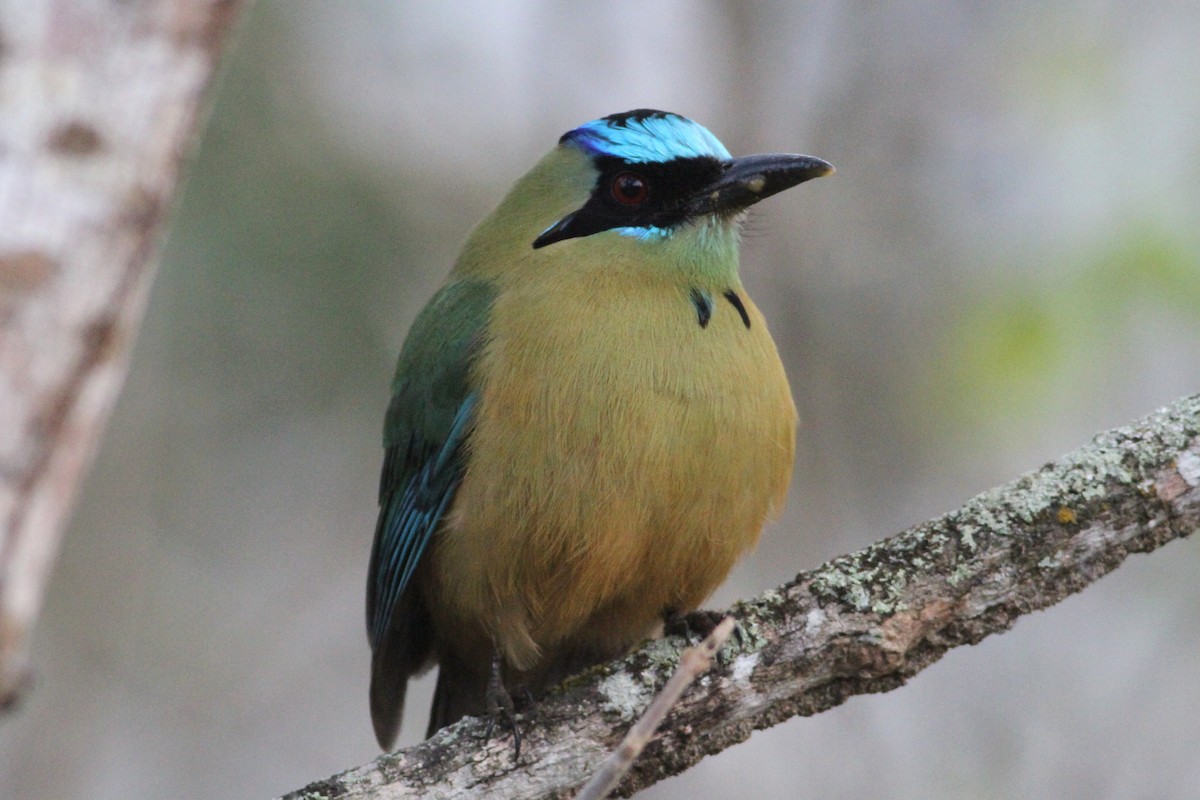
pixel 861 623
pixel 97 100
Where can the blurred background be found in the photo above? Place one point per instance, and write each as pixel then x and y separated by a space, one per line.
pixel 1007 261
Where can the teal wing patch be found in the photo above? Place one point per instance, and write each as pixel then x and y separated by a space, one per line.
pixel 409 515
pixel 428 421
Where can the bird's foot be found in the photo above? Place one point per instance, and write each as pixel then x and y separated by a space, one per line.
pixel 522 698
pixel 696 625
pixel 500 706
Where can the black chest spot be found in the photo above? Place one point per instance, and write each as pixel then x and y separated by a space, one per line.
pixel 704 306
pixel 736 302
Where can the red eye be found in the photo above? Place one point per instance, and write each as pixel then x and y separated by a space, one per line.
pixel 629 188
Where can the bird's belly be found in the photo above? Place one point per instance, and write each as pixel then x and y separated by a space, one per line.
pixel 614 471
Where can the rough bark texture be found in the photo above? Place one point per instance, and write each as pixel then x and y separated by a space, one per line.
pixel 861 623
pixel 98 99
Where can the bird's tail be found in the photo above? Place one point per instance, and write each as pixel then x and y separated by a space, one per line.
pixel 459 693
pixel 402 652
pixel 388 687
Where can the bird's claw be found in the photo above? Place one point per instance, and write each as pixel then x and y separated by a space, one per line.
pixel 500 705
pixel 696 625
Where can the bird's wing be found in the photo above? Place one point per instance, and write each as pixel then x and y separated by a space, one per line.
pixel 428 420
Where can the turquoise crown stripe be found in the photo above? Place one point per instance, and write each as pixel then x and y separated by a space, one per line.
pixel 647 136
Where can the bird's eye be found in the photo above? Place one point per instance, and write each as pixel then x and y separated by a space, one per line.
pixel 629 188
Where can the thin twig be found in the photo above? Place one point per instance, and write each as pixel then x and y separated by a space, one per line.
pixel 694 662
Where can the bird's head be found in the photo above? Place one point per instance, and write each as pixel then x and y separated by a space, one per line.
pixel 643 178
pixel 657 173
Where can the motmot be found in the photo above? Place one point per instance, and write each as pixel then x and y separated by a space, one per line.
pixel 589 421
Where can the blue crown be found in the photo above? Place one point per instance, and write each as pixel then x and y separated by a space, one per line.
pixel 644 136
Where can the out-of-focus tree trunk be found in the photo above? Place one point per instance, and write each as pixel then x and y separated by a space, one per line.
pixel 98 102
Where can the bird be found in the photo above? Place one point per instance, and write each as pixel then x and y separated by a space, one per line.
pixel 589 421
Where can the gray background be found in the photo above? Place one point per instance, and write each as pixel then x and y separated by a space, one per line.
pixel 1005 263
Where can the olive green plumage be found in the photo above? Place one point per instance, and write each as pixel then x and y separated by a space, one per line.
pixel 589 422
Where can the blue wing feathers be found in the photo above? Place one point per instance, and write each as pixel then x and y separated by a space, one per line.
pixel 427 422
pixel 409 516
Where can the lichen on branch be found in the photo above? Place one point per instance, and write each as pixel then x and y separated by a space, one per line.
pixel 861 623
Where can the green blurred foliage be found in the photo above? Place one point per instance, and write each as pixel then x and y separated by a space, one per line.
pixel 1014 343
pixel 274 254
